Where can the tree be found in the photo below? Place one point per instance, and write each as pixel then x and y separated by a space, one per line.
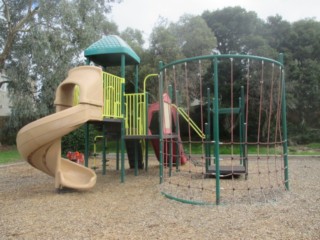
pixel 164 44
pixel 233 26
pixel 194 36
pixel 304 79
pixel 134 38
pixel 49 46
pixel 276 32
pixel 189 37
pixel 15 18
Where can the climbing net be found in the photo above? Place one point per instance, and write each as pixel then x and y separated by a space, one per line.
pixel 233 132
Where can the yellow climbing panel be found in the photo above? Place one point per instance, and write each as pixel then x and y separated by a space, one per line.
pixel 135 117
pixel 112 95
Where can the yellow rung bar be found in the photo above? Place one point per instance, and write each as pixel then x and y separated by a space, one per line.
pixel 112 95
pixel 135 105
pixel 190 121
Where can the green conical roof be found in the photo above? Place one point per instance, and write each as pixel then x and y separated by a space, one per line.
pixel 108 50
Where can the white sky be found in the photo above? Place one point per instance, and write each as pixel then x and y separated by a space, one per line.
pixel 143 14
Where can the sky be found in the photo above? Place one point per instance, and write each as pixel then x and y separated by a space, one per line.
pixel 143 14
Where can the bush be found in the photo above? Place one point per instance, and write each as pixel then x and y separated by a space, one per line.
pixel 304 137
pixel 75 141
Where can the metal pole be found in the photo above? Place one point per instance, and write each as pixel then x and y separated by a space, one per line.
pixel 170 150
pixel 241 127
pixel 123 62
pixel 136 77
pixel 104 159
pixel 136 145
pixel 216 129
pixel 207 146
pixel 147 132
pixel 117 154
pixel 284 126
pixel 178 153
pixel 147 78
pixel 161 123
pixel 209 125
pixel 86 144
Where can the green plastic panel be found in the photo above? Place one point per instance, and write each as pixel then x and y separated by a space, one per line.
pixel 108 50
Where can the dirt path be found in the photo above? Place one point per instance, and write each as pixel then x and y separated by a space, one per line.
pixel 31 209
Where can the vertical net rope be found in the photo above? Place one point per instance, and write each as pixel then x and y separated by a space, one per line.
pixel 250 126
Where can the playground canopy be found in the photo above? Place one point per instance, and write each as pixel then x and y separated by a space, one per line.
pixel 108 51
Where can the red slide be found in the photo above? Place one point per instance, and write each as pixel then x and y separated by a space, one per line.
pixel 153 126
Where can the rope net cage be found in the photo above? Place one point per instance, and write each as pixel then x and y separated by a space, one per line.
pixel 229 123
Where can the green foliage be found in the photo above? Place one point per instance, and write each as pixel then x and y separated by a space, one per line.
pixel 298 137
pixel 40 42
pixel 194 36
pixel 233 27
pixel 50 44
pixel 239 31
pixel 189 37
pixel 75 141
pixel 314 145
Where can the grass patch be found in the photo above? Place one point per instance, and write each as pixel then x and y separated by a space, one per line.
pixel 196 148
pixel 314 146
pixel 9 155
pixel 111 146
pixel 308 150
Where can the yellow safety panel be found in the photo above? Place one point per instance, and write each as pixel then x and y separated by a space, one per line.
pixel 112 95
pixel 135 119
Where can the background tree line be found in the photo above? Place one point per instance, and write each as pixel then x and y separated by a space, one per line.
pixel 41 40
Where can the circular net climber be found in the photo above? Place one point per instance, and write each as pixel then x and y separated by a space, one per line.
pixel 223 136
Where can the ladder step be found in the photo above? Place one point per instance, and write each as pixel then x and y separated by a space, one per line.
pixel 229 110
pixel 227 170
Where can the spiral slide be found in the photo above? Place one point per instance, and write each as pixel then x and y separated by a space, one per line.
pixel 39 142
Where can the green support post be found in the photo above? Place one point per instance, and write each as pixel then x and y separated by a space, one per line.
pixel 207 146
pixel 136 79
pixel 146 123
pixel 240 132
pixel 86 144
pixel 284 125
pixel 161 123
pixel 171 139
pixel 147 129
pixel 122 177
pixel 209 123
pixel 135 158
pixel 136 90
pixel 104 158
pixel 241 126
pixel 216 129
pixel 117 154
pixel 178 156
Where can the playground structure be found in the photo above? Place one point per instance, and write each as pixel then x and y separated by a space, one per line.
pixel 238 103
pixel 191 93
